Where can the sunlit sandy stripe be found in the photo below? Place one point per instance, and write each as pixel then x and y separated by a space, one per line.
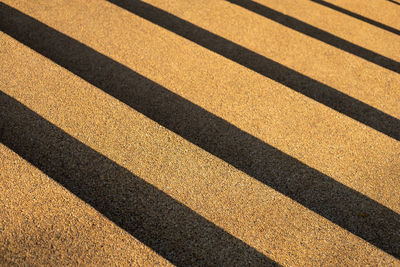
pixel 358 16
pixel 346 27
pixel 349 152
pixel 43 224
pixel 385 12
pixel 263 218
pixel 343 71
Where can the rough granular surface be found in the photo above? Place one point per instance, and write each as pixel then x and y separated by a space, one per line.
pixel 207 133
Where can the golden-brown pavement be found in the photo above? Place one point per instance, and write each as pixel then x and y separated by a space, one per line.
pixel 146 148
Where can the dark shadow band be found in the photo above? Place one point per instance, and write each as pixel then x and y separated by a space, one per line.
pixel 357 16
pixel 298 82
pixel 314 190
pixel 168 227
pixel 394 2
pixel 317 33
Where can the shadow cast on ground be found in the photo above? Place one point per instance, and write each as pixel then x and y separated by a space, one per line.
pixel 314 190
pixel 394 2
pixel 316 33
pixel 357 16
pixel 170 228
pixel 298 82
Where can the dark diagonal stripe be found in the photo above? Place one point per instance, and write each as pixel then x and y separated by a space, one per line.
pixel 318 34
pixel 314 190
pixel 298 82
pixel 357 16
pixel 170 228
pixel 394 2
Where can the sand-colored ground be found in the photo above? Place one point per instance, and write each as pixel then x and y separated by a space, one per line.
pixel 199 133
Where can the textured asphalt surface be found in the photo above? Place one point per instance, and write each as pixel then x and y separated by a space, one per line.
pixel 210 133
